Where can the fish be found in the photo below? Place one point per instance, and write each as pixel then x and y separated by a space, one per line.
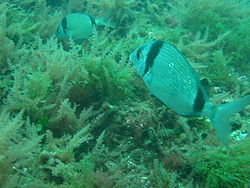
pixel 170 78
pixel 78 26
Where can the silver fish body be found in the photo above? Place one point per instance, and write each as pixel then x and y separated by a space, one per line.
pixel 76 26
pixel 170 78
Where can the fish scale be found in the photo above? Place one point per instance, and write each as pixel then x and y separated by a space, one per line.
pixel 170 78
pixel 166 92
pixel 179 80
pixel 182 70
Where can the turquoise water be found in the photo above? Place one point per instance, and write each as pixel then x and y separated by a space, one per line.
pixel 74 113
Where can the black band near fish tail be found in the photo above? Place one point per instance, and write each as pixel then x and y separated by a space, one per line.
pixel 92 20
pixel 199 100
pixel 64 25
pixel 152 54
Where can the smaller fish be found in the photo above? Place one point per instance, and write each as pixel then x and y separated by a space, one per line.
pixel 170 78
pixel 78 26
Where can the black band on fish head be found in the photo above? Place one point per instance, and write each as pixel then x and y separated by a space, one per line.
pixel 152 54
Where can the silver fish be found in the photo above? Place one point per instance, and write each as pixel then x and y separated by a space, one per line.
pixel 170 78
pixel 76 26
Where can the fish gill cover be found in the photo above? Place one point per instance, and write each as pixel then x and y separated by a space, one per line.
pixel 75 114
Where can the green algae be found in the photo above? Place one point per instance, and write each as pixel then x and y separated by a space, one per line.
pixel 224 168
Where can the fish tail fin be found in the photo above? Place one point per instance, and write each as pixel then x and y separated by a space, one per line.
pixel 220 117
pixel 106 19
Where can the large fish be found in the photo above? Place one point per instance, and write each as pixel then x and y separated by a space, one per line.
pixel 170 78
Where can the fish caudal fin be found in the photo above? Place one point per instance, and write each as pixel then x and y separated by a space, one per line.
pixel 105 19
pixel 220 117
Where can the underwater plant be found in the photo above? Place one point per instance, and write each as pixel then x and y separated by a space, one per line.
pixel 218 167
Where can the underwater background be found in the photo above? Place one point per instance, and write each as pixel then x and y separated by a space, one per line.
pixel 76 115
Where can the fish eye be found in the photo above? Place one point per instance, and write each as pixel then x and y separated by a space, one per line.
pixel 138 54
